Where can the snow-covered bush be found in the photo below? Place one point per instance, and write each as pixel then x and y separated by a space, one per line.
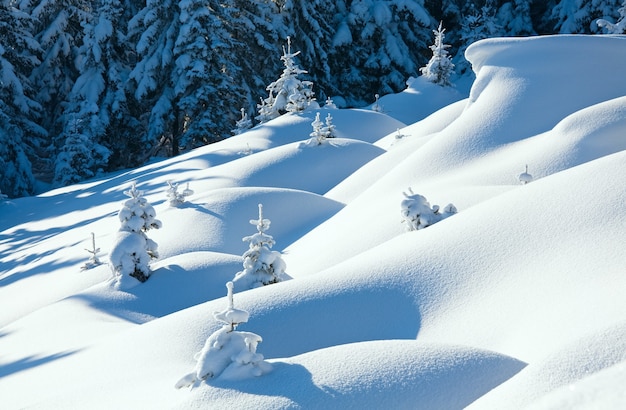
pixel 525 177
pixel 440 66
pixel 228 354
pixel 243 124
pixel 261 265
pixel 418 214
pixel 132 250
pixel 321 131
pixel 288 93
pixel 93 259
pixel 176 198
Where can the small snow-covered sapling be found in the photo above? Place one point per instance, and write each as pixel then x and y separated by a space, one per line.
pixel 176 198
pixel 418 214
pixel 227 353
pixel 525 177
pixel 261 265
pixel 93 259
pixel 377 106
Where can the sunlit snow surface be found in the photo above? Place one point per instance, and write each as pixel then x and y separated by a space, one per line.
pixel 518 300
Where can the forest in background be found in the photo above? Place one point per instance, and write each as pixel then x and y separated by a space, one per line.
pixel 88 87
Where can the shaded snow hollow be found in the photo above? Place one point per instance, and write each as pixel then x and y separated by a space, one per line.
pixel 517 300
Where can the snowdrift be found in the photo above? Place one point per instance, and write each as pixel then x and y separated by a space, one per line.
pixel 515 301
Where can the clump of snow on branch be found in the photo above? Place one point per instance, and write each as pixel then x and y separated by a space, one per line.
pixel 615 28
pixel 176 198
pixel 93 259
pixel 418 214
pixel 261 265
pixel 321 130
pixel 132 250
pixel 440 66
pixel 525 177
pixel 288 93
pixel 243 124
pixel 228 354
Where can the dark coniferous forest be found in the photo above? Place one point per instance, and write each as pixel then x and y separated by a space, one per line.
pixel 88 87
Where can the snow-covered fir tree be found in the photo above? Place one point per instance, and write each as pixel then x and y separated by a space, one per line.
pixel 228 354
pixel 206 76
pixel 288 93
pixel 152 32
pixel 176 198
pixel 132 250
pixel 261 265
pixel 80 157
pixel 18 109
pixel 322 130
pixel 479 23
pixel 615 28
pixel 417 213
pixel 59 32
pixel 243 124
pixel 377 45
pixel 311 26
pixel 440 67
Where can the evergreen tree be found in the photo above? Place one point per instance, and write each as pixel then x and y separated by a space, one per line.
pixel 478 24
pixel 228 353
pixel 205 78
pixel 311 27
pixel 132 251
pixel 59 32
pixel 18 110
pixel 261 265
pixel 377 46
pixel 243 124
pixel 322 131
pixel 440 67
pixel 97 95
pixel 153 31
pixel 288 93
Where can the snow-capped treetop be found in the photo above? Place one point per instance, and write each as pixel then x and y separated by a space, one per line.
pixel 231 316
pixel 440 67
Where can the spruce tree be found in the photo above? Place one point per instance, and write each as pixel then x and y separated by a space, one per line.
pixel 18 109
pixel 377 46
pixel 440 67
pixel 132 251
pixel 261 265
pixel 288 93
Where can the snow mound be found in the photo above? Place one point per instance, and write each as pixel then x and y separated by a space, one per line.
pixel 360 375
pixel 219 219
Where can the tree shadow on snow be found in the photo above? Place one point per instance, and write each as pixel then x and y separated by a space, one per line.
pixel 30 362
pixel 292 381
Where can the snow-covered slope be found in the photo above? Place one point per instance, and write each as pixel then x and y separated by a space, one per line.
pixel 517 300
